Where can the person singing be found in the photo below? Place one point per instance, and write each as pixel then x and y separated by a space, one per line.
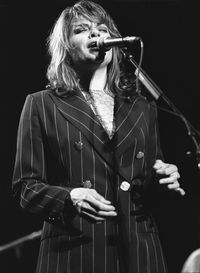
pixel 88 157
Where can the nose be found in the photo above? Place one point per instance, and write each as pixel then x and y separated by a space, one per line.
pixel 94 33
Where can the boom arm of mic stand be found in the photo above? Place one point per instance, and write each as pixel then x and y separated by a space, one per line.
pixel 156 92
pixel 20 241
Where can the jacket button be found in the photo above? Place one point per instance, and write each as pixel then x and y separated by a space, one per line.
pixel 140 155
pixel 79 145
pixel 125 186
pixel 87 184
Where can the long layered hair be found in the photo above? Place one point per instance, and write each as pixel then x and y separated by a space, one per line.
pixel 61 74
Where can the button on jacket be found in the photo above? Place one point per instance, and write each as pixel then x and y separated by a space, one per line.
pixel 60 145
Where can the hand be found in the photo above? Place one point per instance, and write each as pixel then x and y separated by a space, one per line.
pixel 91 204
pixel 171 171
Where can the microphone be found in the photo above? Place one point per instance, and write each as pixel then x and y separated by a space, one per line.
pixel 106 43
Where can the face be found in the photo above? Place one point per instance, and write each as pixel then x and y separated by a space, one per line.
pixel 83 34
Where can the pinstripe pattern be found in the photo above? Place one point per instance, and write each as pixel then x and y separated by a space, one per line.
pixel 81 223
pixel 60 144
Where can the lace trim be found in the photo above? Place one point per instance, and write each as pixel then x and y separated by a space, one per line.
pixel 102 104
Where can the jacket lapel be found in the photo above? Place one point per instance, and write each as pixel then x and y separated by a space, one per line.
pixel 77 111
pixel 129 118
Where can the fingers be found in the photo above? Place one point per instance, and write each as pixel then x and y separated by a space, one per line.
pixel 181 191
pixel 171 174
pixel 86 209
pixel 99 203
pixel 176 186
pixel 91 204
pixel 100 197
pixel 165 168
pixel 93 217
pixel 170 179
pixel 91 196
pixel 173 185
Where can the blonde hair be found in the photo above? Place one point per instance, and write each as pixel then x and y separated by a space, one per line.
pixel 60 73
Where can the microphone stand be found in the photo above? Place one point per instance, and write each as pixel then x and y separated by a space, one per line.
pixel 20 241
pixel 156 92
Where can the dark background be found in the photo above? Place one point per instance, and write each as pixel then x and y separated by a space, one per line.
pixel 170 32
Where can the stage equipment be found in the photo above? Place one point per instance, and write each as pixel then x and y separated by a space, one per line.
pixel 158 94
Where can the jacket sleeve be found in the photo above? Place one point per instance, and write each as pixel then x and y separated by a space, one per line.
pixel 30 186
pixel 156 195
pixel 154 150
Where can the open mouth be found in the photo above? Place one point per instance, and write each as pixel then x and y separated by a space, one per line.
pixel 93 45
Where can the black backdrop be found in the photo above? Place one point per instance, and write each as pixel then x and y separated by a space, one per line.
pixel 169 30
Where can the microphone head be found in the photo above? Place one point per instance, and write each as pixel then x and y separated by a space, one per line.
pixel 106 43
pixel 101 44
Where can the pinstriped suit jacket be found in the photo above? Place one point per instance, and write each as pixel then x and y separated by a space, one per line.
pixel 60 144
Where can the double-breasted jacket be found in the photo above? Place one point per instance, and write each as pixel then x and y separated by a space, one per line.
pixel 61 145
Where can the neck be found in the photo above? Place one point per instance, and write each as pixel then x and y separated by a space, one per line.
pixel 95 80
pixel 98 80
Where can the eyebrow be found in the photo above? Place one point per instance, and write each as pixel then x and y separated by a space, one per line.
pixel 81 24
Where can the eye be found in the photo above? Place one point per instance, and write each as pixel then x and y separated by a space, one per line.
pixel 103 29
pixel 79 29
